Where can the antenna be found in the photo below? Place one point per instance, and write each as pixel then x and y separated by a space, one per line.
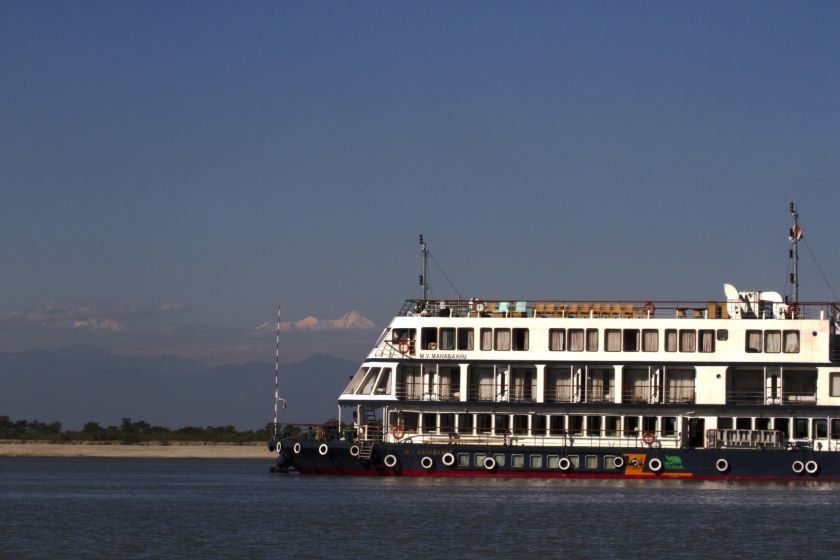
pixel 424 279
pixel 795 234
pixel 277 398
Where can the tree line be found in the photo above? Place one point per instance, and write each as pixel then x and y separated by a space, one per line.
pixel 130 431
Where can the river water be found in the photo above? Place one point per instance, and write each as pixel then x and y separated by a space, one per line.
pixel 107 508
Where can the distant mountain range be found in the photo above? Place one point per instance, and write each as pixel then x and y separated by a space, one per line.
pixel 83 383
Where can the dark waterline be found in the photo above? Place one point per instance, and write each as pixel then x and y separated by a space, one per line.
pixel 103 508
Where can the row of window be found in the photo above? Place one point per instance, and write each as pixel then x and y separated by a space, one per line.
pixel 604 426
pixel 773 342
pixel 535 461
pixel 580 340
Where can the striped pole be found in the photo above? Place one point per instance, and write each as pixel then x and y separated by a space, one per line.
pixel 277 370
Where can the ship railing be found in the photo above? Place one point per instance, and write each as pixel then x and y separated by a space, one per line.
pixel 559 393
pixel 638 394
pixel 548 438
pixel 617 309
pixel 756 396
pixel 497 392
pixel 428 392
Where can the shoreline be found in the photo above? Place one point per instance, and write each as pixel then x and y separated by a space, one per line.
pixel 116 450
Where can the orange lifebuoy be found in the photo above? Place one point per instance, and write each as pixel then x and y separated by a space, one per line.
pixel 648 438
pixel 648 309
pixel 793 310
pixel 403 347
pixel 398 431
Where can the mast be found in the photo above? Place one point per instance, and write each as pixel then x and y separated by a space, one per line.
pixel 794 235
pixel 277 398
pixel 423 277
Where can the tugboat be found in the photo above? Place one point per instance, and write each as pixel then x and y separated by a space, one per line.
pixel 743 388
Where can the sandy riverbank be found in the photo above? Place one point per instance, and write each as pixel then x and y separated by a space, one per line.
pixel 141 451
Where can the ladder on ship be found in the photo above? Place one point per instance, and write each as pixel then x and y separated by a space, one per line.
pixel 366 449
pixel 371 433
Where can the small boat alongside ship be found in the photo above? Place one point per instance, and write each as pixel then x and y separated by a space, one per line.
pixel 743 388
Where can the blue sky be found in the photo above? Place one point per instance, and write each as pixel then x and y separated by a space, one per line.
pixel 195 163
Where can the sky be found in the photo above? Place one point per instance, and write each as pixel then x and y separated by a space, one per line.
pixel 170 172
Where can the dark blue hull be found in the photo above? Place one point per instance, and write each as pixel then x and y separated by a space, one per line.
pixel 344 458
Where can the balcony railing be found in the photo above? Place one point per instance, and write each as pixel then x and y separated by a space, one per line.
pixel 496 392
pixel 762 397
pixel 429 392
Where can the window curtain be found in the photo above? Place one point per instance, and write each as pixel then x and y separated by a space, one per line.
pixel 670 341
pixel 447 339
pixel 650 341
pixel 773 341
pixel 486 339
pixel 592 340
pixel 688 341
pixel 613 341
pixel 576 340
pixel 557 340
pixel 792 342
pixel 707 341
pixel 753 341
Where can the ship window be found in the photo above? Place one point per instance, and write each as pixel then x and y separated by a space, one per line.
pixel 486 339
pixel 612 340
pixel 447 339
pixel 724 423
pixel 428 338
pixel 679 385
pixel 800 428
pixel 370 379
pixel 556 340
pixel 631 340
pixel 356 381
pixel 835 428
pixel 520 339
pixel 612 426
pixel 743 423
pixel 782 425
pixel 669 426
pixel 482 422
pixel 383 387
pixel 591 340
pixel 834 384
pixel 575 425
pixel 558 384
pixel 465 423
pixel 762 423
pixel 773 341
pixel 819 427
pixel 593 426
pixel 557 425
pixel 649 424
pixel 707 341
pixel 478 459
pixel 449 379
pixel 517 461
pixel 553 461
pixel 500 459
pixel 722 334
pixel 688 340
pixel 430 423
pixel 670 340
pixel 538 425
pixel 753 341
pixel 465 339
pixel 403 335
pixel 576 340
pixel 650 340
pixel 575 461
pixel 463 459
pixel 410 420
pixel 447 423
pixel 591 461
pixel 536 461
pixel 792 342
pixel 502 424
pixel 631 426
pixel 409 383
pixel 502 341
pixel 520 424
pixel 481 385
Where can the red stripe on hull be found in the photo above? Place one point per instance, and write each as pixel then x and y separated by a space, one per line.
pixel 474 474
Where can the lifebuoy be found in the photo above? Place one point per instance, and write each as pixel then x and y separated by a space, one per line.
pixel 427 462
pixel 793 310
pixel 722 465
pixel 403 347
pixel 398 431
pixel 564 464
pixel 648 309
pixel 618 462
pixel 296 448
pixel 278 447
pixel 812 467
pixel 448 459
pixel 323 449
pixel 655 465
pixel 479 305
pixel 797 467
pixel 390 461
pixel 489 463
pixel 354 451
pixel 648 438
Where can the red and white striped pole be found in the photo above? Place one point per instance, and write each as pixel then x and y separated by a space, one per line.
pixel 277 370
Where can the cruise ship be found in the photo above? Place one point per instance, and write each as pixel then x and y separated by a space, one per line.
pixel 743 388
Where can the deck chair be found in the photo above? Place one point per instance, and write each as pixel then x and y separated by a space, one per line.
pixel 520 310
pixel 502 311
pixel 539 310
